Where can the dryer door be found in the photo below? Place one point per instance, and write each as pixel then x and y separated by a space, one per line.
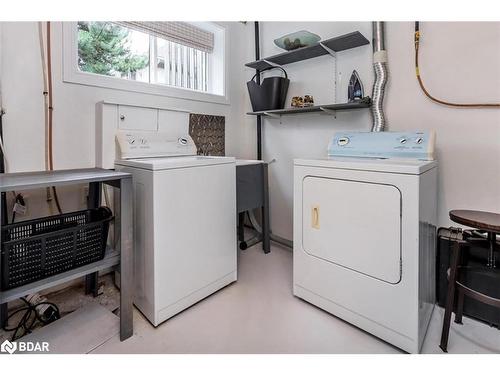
pixel 354 224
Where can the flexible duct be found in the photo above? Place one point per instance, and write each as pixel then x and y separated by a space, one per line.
pixel 381 76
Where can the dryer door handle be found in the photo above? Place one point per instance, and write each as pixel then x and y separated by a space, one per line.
pixel 315 217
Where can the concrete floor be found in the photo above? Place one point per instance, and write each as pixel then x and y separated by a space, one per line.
pixel 259 314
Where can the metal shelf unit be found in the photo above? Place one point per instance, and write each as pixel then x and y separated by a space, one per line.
pixel 121 257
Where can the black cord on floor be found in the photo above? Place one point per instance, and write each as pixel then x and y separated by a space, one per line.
pixel 31 317
pixel 20 200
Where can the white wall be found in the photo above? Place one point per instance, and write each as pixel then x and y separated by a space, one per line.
pixel 74 105
pixel 459 61
pixel 307 135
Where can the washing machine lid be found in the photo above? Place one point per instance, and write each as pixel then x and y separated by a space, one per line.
pixel 393 165
pixel 175 162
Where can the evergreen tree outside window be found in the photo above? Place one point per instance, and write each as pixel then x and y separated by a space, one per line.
pixel 106 48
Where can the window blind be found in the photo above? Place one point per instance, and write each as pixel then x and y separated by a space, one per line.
pixel 178 32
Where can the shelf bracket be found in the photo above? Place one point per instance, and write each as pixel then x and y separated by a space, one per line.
pixel 273 115
pixel 329 50
pixel 271 63
pixel 333 54
pixel 329 111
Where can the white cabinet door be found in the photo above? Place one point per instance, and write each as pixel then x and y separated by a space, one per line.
pixel 356 225
pixel 137 118
pixel 173 122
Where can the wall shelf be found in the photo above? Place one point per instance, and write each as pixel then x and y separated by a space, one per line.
pixel 339 43
pixel 328 108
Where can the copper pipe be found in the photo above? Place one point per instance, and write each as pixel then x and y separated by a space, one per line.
pixel 51 109
pixel 45 107
pixel 426 92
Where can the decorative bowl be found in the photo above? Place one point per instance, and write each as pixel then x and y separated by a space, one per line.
pixel 296 40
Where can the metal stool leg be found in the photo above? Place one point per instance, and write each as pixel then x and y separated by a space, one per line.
pixel 3 314
pixel 460 307
pixel 450 298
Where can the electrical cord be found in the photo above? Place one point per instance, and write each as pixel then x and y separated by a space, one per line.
pixel 19 199
pixel 31 317
pixel 426 92
pixel 2 146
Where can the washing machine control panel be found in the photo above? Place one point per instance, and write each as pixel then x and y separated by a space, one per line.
pixel 414 145
pixel 134 145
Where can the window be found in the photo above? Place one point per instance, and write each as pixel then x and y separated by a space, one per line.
pixel 172 58
pixel 180 66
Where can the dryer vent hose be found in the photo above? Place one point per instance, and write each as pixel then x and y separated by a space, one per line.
pixel 381 77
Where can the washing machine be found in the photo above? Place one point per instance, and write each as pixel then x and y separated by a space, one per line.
pixel 365 235
pixel 185 220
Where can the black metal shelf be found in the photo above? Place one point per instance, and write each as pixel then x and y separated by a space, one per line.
pixel 339 43
pixel 328 108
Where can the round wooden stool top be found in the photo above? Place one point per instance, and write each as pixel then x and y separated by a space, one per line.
pixel 488 221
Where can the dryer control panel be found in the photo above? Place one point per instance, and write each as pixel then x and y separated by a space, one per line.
pixel 414 145
pixel 135 145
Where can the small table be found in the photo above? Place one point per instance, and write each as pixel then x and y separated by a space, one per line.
pixel 489 222
pixel 121 256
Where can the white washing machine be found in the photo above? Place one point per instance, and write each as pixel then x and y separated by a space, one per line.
pixel 364 243
pixel 184 206
pixel 185 222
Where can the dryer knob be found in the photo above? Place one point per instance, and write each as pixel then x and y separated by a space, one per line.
pixel 343 141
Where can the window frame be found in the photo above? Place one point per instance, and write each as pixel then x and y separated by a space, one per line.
pixel 71 73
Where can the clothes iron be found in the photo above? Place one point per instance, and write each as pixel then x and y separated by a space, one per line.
pixel 355 89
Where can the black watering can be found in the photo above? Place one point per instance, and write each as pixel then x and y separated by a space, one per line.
pixel 270 94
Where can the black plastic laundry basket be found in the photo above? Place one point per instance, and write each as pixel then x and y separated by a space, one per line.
pixel 35 249
pixel 270 94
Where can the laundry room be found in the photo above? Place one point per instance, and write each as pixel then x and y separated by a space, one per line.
pixel 283 185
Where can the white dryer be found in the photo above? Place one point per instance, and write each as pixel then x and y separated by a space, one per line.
pixel 364 243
